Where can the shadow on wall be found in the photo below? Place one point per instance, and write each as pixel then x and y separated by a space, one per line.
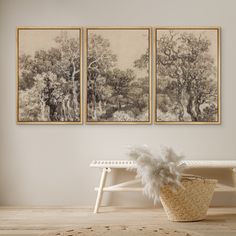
pixel 137 199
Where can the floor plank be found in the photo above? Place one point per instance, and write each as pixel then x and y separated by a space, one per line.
pixel 36 221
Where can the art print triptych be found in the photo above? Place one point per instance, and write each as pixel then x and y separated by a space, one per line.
pixel 118 75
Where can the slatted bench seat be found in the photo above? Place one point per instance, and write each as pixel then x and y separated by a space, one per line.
pixel 107 165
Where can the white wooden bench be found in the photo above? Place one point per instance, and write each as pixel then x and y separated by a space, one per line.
pixel 107 165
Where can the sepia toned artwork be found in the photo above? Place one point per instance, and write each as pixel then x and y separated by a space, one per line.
pixel 187 75
pixel 49 75
pixel 118 75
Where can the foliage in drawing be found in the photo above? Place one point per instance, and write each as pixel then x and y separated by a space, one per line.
pixel 49 82
pixel 113 93
pixel 187 82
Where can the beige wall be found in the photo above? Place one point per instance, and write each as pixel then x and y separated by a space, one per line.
pixel 48 165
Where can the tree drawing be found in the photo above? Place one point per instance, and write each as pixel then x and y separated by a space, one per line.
pixel 187 87
pixel 114 93
pixel 99 61
pixel 49 82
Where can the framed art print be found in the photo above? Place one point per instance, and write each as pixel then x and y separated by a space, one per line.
pixel 49 75
pixel 118 86
pixel 187 75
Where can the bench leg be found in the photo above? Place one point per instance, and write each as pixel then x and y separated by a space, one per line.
pixel 100 189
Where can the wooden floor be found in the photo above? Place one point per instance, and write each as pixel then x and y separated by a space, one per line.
pixel 36 221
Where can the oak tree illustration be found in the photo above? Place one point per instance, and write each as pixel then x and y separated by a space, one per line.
pixel 49 82
pixel 187 85
pixel 114 94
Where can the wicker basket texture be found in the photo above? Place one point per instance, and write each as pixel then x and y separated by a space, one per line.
pixel 189 203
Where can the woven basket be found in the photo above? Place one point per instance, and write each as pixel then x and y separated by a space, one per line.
pixel 189 203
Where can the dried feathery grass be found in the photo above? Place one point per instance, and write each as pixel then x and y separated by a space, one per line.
pixel 156 171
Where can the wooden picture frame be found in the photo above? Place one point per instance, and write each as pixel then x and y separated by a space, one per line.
pixel 187 75
pixel 49 75
pixel 118 75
